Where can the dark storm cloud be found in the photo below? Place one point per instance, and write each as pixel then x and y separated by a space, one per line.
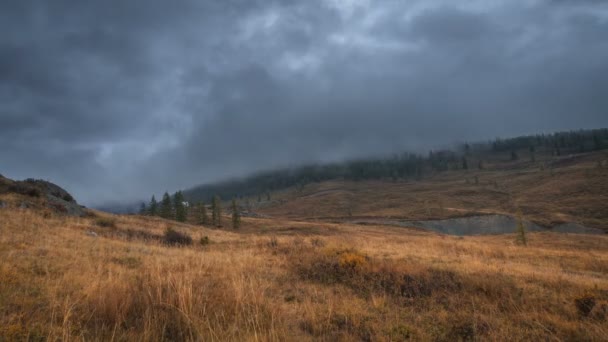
pixel 120 99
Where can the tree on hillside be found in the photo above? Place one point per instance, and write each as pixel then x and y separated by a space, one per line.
pixel 597 143
pixel 465 164
pixel 532 154
pixel 216 211
pixel 514 155
pixel 178 205
pixel 203 219
pixel 521 230
pixel 153 207
pixel 166 210
pixel 236 215
pixel 142 209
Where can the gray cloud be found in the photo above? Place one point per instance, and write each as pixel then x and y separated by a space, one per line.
pixel 120 99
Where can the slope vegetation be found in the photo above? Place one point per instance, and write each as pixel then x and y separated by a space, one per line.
pixel 560 190
pixel 108 277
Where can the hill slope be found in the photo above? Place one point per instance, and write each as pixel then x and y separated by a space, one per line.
pixel 568 189
pixel 104 277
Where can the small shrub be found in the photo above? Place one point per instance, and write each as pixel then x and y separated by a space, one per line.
pixel 174 238
pixel 128 262
pixel 584 304
pixel 106 222
pixel 351 260
pixel 273 243
pixel 204 241
pixel 463 332
pixel 317 242
pixel 400 333
pixel 366 275
pixel 25 189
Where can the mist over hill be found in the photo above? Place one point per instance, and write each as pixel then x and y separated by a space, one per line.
pixel 474 155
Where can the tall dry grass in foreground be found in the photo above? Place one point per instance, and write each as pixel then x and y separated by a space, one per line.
pixel 341 282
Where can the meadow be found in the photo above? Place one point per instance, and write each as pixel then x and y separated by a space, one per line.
pixel 107 277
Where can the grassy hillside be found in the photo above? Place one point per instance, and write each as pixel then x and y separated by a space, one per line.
pixel 105 277
pixel 544 150
pixel 549 192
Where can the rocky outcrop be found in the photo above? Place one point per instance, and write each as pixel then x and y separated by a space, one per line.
pixel 52 195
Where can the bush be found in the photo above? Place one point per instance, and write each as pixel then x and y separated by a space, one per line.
pixel 25 189
pixel 204 241
pixel 317 242
pixel 174 238
pixel 106 222
pixel 584 305
pixel 366 275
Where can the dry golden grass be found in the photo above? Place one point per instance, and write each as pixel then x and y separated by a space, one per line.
pixel 282 280
pixel 573 190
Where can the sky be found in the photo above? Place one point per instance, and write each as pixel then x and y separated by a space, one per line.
pixel 116 100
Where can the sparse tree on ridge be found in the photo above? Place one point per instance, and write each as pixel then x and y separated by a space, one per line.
pixel 514 155
pixel 142 209
pixel 180 209
pixel 236 215
pixel 166 210
pixel 532 154
pixel 521 230
pixel 153 207
pixel 216 213
pixel 203 219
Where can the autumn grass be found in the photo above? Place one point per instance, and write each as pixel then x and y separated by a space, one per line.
pixel 281 280
pixel 572 191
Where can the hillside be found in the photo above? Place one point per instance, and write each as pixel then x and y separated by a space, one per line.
pixel 546 151
pixel 564 189
pixel 337 259
pixel 110 277
pixel 39 194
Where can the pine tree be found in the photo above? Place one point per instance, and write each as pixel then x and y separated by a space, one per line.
pixel 153 207
pixel 236 215
pixel 514 155
pixel 203 219
pixel 142 209
pixel 180 209
pixel 166 210
pixel 532 154
pixel 216 213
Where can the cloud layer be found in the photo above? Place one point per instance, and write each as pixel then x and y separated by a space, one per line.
pixel 116 100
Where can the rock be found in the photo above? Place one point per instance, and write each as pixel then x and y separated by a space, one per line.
pixel 3 204
pixel 92 233
pixel 23 205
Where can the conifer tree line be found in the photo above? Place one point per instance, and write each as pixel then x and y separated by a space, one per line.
pixel 176 208
pixel 408 165
pixel 170 207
